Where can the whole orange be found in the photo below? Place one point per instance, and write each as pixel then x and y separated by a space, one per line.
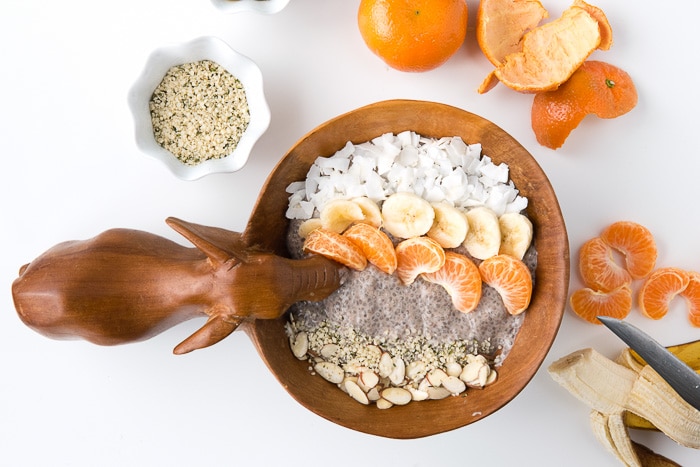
pixel 413 35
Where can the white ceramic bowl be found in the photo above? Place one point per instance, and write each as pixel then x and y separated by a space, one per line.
pixel 203 48
pixel 260 6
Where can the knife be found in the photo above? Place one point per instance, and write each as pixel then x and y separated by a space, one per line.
pixel 683 379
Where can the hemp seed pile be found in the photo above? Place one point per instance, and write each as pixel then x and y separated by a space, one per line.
pixel 199 112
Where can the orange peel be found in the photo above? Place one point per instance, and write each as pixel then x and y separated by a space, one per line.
pixel 501 24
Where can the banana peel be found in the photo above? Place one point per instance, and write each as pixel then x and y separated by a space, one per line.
pixel 628 393
pixel 688 353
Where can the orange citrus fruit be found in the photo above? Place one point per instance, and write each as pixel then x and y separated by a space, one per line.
pixel 413 35
pixel 659 289
pixel 692 298
pixel 460 277
pixel 636 243
pixel 374 244
pixel 594 88
pixel 416 256
pixel 334 246
pixel 511 278
pixel 588 304
pixel 598 268
pixel 501 24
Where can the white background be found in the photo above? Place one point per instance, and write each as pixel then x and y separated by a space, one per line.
pixel 71 170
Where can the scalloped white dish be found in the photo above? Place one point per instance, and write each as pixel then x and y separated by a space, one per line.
pixel 259 6
pixel 203 48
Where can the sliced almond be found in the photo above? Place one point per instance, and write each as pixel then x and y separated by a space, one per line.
pixel 397 396
pixel 454 385
pixel 330 372
pixel 356 392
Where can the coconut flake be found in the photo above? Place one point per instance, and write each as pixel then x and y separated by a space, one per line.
pixel 445 169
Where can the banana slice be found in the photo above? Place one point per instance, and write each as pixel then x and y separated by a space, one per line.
pixel 407 215
pixel 309 225
pixel 371 211
pixel 516 234
pixel 338 214
pixel 484 235
pixel 450 226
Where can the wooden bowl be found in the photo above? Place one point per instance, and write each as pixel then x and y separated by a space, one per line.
pixel 267 227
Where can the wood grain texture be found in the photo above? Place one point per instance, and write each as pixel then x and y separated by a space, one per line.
pixel 267 229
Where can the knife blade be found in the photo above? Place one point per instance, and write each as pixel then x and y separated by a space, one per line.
pixel 683 379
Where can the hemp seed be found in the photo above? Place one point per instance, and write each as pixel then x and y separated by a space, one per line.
pixel 199 112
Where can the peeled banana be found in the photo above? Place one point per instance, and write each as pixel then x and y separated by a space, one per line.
pixel 449 227
pixel 339 214
pixel 484 236
pixel 407 215
pixel 516 234
pixel 611 389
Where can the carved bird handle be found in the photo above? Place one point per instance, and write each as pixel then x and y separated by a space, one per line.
pixel 128 285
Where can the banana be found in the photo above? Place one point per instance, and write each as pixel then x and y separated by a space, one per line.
pixel 309 225
pixel 407 215
pixel 611 389
pixel 516 234
pixel 338 214
pixel 371 211
pixel 483 238
pixel 449 227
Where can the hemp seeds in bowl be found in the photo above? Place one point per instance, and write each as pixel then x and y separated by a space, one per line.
pixel 199 108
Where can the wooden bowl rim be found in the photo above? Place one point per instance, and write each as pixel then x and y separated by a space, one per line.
pixel 542 319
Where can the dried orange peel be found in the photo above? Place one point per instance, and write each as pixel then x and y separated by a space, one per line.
pixel 501 25
pixel 545 56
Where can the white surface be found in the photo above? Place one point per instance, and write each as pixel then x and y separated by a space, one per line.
pixel 72 170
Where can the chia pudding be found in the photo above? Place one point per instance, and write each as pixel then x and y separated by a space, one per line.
pixel 416 323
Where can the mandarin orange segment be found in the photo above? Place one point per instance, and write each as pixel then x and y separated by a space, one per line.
pixel 511 278
pixel 636 243
pixel 334 246
pixel 598 268
pixel 588 304
pixel 460 277
pixel 551 53
pixel 413 35
pixel 659 289
pixel 501 24
pixel 594 88
pixel 375 245
pixel 691 294
pixel 416 256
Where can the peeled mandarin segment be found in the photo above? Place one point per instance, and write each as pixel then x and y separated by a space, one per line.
pixel 501 24
pixel 511 278
pixel 551 53
pixel 691 294
pixel 375 245
pixel 334 246
pixel 606 38
pixel 659 289
pixel 598 268
pixel 588 303
pixel 416 256
pixel 461 279
pixel 636 243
